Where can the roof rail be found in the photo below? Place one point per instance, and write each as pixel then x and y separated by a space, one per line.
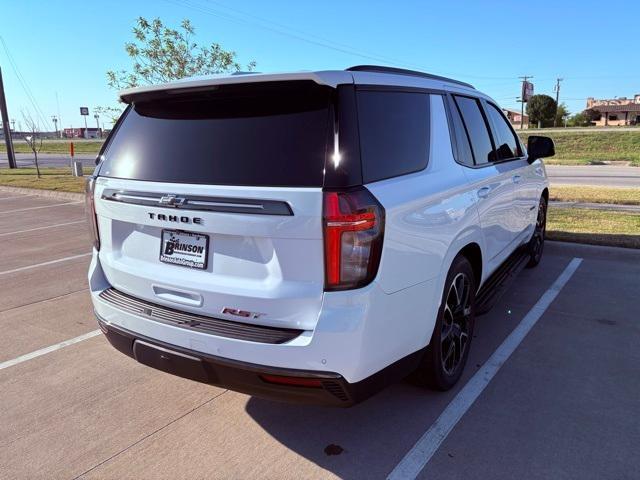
pixel 403 71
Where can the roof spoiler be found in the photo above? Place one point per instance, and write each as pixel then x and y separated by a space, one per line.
pixel 402 71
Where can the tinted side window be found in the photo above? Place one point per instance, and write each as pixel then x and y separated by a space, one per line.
pixel 507 145
pixel 464 154
pixel 394 133
pixel 476 127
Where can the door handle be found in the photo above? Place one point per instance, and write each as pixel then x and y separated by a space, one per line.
pixel 484 192
pixel 192 299
pixel 516 178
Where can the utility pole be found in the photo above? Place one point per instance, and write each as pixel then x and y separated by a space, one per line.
pixel 557 90
pixel 59 116
pixel 55 122
pixel 8 141
pixel 13 125
pixel 523 100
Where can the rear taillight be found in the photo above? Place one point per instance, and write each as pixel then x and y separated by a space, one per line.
pixel 90 210
pixel 353 233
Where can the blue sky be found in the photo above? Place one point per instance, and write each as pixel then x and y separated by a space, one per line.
pixel 65 48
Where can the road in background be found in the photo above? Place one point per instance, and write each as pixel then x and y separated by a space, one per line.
pixel 599 175
pixel 48 159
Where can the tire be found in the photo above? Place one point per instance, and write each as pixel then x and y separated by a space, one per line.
pixel 447 353
pixel 536 244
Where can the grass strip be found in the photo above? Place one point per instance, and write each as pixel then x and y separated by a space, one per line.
pixel 595 227
pixel 579 193
pixel 58 179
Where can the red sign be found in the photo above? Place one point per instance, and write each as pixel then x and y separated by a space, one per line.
pixel 527 91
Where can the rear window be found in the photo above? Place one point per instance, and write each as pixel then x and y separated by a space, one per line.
pixel 250 135
pixel 394 133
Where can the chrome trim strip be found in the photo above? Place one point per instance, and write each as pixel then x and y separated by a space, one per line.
pixel 200 203
pixel 219 204
pixel 133 197
pixel 202 323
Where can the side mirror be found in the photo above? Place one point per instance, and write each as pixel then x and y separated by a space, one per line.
pixel 540 147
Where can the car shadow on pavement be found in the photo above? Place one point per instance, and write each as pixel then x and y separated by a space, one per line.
pixel 369 439
pixel 366 440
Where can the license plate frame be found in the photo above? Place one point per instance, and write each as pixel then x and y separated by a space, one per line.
pixel 181 259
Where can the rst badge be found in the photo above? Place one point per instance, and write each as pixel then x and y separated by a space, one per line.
pixel 241 313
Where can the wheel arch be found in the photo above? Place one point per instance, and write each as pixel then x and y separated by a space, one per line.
pixel 545 194
pixel 470 244
pixel 473 253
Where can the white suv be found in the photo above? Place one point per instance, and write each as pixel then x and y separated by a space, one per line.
pixel 310 236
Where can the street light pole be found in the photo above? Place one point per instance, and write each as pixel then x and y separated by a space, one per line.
pixel 55 123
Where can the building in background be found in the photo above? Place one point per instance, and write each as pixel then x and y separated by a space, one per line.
pixel 616 111
pixel 514 117
pixel 82 132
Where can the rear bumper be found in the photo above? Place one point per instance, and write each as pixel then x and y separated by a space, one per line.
pixel 363 340
pixel 332 389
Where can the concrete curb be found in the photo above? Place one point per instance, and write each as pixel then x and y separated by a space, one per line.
pixel 599 251
pixel 43 193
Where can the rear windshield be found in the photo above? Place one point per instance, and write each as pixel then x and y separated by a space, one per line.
pixel 267 135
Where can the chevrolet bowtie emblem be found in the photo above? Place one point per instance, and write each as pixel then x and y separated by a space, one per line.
pixel 171 201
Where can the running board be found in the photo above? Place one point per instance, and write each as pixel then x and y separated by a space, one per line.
pixel 501 280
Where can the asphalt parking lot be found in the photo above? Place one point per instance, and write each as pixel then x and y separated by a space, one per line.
pixel 564 404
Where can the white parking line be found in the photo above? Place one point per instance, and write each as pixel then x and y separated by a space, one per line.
pixel 43 264
pixel 40 228
pixel 44 351
pixel 37 208
pixel 416 459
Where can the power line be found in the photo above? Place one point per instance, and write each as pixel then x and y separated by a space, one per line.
pixel 25 86
pixel 305 37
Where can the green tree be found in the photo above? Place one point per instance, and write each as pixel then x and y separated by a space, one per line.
pixel 578 120
pixel 583 119
pixel 562 112
pixel 111 113
pixel 592 115
pixel 162 54
pixel 541 110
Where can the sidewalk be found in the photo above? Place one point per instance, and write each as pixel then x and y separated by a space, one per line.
pixel 597 206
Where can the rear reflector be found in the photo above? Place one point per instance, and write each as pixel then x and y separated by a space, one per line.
pixel 90 211
pixel 292 381
pixel 353 232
